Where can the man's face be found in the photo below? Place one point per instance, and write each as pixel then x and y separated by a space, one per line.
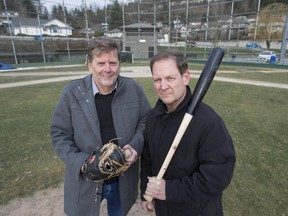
pixel 105 70
pixel 168 82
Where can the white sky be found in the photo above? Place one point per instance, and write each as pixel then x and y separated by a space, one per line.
pixel 77 3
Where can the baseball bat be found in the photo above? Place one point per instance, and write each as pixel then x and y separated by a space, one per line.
pixel 203 84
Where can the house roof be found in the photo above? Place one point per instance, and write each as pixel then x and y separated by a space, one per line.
pixel 146 26
pixel 114 30
pixel 24 21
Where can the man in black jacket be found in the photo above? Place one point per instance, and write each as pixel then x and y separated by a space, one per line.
pixel 202 166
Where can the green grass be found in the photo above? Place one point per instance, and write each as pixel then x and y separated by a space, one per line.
pixel 12 79
pixel 265 77
pixel 255 116
pixel 256 119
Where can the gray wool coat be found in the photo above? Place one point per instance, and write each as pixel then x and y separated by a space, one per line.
pixel 75 133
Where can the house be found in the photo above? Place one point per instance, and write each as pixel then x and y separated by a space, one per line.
pixel 30 26
pixel 140 39
pixel 114 33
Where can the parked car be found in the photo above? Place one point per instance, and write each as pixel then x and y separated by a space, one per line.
pixel 191 44
pixel 6 67
pixel 266 56
pixel 253 45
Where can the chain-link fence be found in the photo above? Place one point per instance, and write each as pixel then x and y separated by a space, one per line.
pixel 242 28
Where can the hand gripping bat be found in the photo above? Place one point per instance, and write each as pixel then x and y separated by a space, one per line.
pixel 199 92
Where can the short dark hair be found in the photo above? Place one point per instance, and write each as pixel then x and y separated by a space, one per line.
pixel 102 45
pixel 179 58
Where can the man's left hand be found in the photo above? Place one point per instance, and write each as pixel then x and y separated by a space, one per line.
pixel 132 155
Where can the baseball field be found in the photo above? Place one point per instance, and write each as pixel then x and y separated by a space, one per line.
pixel 255 115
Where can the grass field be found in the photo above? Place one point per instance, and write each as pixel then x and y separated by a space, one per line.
pixel 255 116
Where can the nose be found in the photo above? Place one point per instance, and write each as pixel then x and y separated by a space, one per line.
pixel 164 84
pixel 107 67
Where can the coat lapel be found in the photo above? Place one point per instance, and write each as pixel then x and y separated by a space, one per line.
pixel 84 95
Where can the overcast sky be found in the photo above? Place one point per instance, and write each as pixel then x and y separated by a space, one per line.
pixel 77 3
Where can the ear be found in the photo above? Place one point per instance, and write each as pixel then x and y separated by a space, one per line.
pixel 186 77
pixel 89 66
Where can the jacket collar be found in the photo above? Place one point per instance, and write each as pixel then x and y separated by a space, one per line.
pixel 87 83
pixel 161 109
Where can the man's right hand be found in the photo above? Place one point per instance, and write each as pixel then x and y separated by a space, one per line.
pixel 147 206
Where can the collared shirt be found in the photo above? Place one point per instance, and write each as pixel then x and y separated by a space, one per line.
pixel 96 90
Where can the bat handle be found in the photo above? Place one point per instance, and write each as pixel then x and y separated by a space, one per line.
pixel 148 198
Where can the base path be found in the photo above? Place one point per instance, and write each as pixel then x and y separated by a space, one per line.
pixel 137 71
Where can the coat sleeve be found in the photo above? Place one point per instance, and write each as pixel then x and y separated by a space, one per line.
pixel 146 170
pixel 216 157
pixel 62 135
pixel 132 109
pixel 138 138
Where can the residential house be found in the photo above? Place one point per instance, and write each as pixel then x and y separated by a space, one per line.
pixel 114 33
pixel 30 26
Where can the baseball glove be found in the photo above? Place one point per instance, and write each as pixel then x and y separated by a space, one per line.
pixel 105 163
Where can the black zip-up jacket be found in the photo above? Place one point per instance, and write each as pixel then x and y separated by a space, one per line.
pixel 202 166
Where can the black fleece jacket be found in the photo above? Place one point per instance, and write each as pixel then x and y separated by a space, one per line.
pixel 202 166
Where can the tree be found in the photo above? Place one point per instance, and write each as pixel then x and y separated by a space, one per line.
pixel 77 18
pixel 58 12
pixel 115 16
pixel 264 3
pixel 271 19
pixel 29 8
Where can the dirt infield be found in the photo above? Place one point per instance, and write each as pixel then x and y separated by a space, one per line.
pixel 49 202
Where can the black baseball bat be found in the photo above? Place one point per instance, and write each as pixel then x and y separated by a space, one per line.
pixel 203 84
pixel 206 77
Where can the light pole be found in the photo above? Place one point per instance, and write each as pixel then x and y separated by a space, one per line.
pixel 10 31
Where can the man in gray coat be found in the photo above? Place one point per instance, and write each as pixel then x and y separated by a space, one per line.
pixel 92 111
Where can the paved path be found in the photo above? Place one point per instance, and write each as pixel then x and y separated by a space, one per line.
pixel 137 71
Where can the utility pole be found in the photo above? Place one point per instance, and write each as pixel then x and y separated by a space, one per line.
pixel 231 20
pixel 284 41
pixel 10 31
pixel 154 30
pixel 106 24
pixel 123 32
pixel 207 21
pixel 186 26
pixel 40 31
pixel 169 18
pixel 86 22
pixel 68 48
pixel 139 30
pixel 257 19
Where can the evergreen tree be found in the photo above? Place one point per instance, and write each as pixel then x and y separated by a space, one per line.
pixel 115 16
pixel 29 8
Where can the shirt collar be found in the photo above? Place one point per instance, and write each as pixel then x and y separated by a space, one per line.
pixel 96 90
